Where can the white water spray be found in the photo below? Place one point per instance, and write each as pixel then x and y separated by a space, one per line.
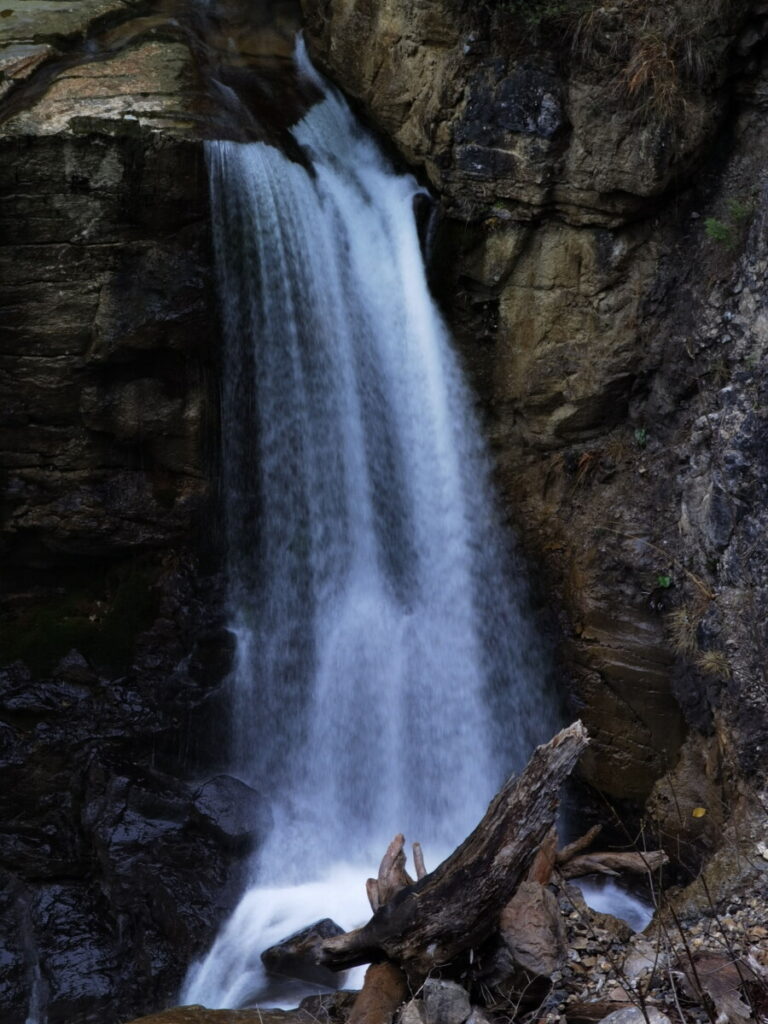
pixel 387 677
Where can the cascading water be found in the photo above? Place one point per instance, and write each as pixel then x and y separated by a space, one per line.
pixel 387 677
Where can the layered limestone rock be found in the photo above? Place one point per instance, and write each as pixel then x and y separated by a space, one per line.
pixel 595 250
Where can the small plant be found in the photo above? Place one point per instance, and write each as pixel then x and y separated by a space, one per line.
pixel 719 232
pixel 738 211
pixel 728 232
pixel 641 437
pixel 664 581
pixel 587 464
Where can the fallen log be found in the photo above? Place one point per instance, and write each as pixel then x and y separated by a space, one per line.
pixel 429 923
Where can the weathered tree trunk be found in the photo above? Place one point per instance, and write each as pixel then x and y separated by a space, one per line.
pixel 428 924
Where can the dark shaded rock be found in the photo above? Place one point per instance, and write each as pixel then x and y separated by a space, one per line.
pixel 77 953
pixel 231 810
pixel 100 458
pixel 413 1012
pixel 18 957
pixel 74 668
pixel 112 634
pixel 43 698
pixel 329 1007
pixel 295 956
pixel 528 100
pixel 148 875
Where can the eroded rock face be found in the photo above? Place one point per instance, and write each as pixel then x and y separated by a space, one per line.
pixel 117 856
pixel 105 395
pixel 493 118
pixel 615 343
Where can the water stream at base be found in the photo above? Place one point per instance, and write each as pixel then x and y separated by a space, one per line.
pixel 387 676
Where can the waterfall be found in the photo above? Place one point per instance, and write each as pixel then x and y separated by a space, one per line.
pixel 387 676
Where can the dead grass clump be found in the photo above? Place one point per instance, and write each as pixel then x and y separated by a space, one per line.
pixel 683 625
pixel 714 664
pixel 657 50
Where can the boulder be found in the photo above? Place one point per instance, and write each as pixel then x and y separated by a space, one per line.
pixel 414 1012
pixel 445 1002
pixel 295 956
pixel 229 808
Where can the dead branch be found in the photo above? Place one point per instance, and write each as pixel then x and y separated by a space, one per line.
pixel 545 859
pixel 372 890
pixel 612 864
pixel 392 875
pixel 571 849
pixel 418 861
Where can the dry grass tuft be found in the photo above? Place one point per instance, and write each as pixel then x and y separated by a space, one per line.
pixel 714 664
pixel 657 50
pixel 683 625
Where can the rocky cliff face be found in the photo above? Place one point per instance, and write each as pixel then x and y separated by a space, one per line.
pixel 110 642
pixel 600 254
pixel 119 842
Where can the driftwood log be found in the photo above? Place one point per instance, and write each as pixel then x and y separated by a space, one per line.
pixel 429 923
pixel 494 893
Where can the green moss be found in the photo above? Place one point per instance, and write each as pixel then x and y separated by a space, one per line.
pixel 102 622
pixel 719 232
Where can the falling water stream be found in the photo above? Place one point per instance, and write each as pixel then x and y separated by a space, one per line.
pixel 387 677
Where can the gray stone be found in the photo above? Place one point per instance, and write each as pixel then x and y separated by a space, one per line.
pixel 414 1012
pixel 445 1002
pixel 74 668
pixel 478 1016
pixel 634 1015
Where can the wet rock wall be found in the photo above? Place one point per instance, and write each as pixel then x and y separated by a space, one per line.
pixel 122 838
pixel 115 853
pixel 596 260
